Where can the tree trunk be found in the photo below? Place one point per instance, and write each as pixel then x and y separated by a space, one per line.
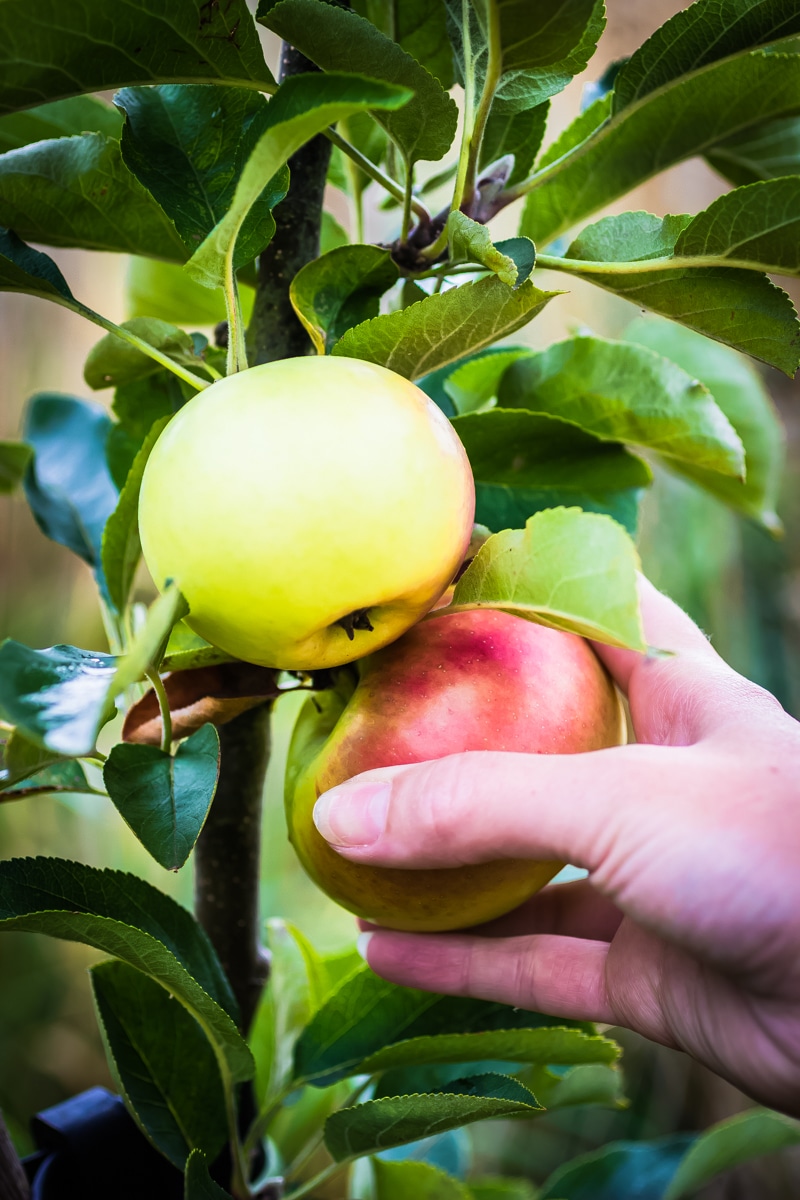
pixel 275 331
pixel 228 858
pixel 13 1182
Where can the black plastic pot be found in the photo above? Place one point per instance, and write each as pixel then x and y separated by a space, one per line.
pixel 89 1148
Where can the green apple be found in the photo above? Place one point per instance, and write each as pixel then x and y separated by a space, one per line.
pixel 310 510
pixel 475 680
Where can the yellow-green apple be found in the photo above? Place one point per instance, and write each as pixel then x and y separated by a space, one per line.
pixel 474 680
pixel 310 510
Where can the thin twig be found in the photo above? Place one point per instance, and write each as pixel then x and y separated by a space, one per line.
pixel 369 168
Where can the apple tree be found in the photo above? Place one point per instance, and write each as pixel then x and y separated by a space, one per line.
pixel 210 171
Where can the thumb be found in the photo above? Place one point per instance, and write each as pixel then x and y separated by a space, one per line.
pixel 485 805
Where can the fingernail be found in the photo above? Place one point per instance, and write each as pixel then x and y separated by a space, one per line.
pixel 362 941
pixel 353 814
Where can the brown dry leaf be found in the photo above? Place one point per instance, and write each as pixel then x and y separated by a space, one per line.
pixel 203 694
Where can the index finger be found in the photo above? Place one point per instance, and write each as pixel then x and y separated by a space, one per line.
pixel 680 697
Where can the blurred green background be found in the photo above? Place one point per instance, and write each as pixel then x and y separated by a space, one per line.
pixel 740 585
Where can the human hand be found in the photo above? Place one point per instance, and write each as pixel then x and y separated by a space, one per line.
pixel 688 927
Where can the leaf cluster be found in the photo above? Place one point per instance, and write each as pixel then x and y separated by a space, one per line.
pixel 183 172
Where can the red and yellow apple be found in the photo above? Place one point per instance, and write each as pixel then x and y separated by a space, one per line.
pixel 474 680
pixel 310 510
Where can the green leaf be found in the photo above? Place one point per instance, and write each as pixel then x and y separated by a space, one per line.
pixel 442 328
pixel 22 758
pixel 469 241
pixel 14 459
pixel 399 1180
pixel 676 122
pixel 148 646
pixel 702 34
pixel 164 290
pixel 188 146
pixel 766 151
pixel 112 362
pixel 77 192
pixel 332 235
pixel 521 449
pixel 473 386
pixel 739 392
pixel 620 393
pixel 420 27
pixel 23 269
pixel 618 1169
pixel 121 548
pixel 737 1140
pixel 567 569
pixel 367 1015
pixel 340 289
pixel 68 485
pixel 186 649
pixel 499 506
pixel 500 1187
pixel 59 697
pixel 139 405
pixel 52 50
pixel 162 1063
pixel 628 237
pixel 536 50
pixel 299 1122
pixel 283 1010
pixel 587 1083
pixel 517 133
pixel 740 308
pixel 547 1044
pixel 198 1183
pixel 397 1120
pixel 60 777
pixel 754 227
pixel 163 798
pixel 63 118
pixel 130 920
pixel 587 122
pixel 325 972
pixel 303 106
pixel 757 226
pixel 338 40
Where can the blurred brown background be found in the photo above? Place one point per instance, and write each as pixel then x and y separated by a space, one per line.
pixel 742 587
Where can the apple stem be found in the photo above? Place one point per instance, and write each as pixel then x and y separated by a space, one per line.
pixel 227 858
pixel 358 619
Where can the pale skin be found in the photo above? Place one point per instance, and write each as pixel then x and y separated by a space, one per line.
pixel 687 929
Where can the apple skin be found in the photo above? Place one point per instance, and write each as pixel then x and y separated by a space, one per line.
pixel 295 493
pixel 473 680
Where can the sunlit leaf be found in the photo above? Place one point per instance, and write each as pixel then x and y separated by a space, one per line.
pixel 440 329
pixel 567 569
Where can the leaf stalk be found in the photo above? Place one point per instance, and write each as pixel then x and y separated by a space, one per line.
pixel 163 708
pixel 375 173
